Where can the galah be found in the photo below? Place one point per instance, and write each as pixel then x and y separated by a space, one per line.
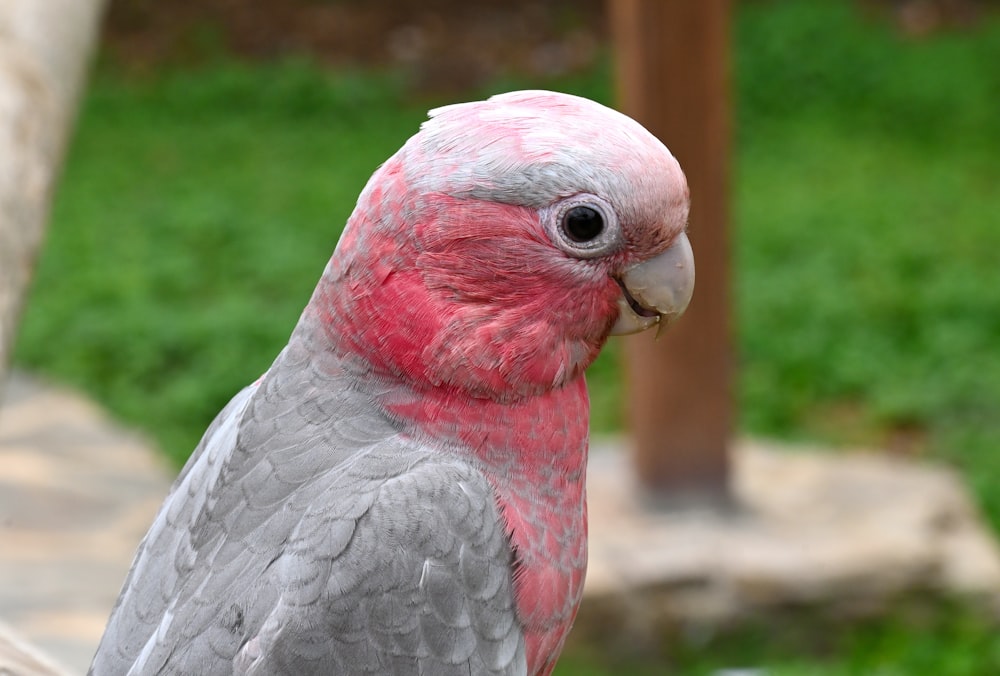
pixel 403 491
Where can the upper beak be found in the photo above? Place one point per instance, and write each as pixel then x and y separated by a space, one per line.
pixel 656 291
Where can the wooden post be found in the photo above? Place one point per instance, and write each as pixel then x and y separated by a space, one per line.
pixel 672 75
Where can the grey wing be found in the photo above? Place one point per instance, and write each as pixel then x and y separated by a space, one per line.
pixel 397 564
pixel 418 584
pixel 230 509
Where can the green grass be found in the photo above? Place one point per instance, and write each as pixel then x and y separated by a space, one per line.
pixel 199 207
pixel 195 215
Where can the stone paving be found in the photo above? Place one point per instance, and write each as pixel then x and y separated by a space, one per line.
pixel 811 534
pixel 842 532
pixel 77 493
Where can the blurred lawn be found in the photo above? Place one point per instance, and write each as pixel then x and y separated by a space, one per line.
pixel 198 209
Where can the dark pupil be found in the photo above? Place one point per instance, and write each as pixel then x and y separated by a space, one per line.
pixel 582 224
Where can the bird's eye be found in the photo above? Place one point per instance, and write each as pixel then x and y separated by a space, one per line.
pixel 582 224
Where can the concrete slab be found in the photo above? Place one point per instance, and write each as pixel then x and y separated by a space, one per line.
pixel 844 534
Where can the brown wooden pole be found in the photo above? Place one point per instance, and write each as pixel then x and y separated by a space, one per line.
pixel 672 75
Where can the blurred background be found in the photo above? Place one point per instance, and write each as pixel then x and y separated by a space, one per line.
pixel 222 144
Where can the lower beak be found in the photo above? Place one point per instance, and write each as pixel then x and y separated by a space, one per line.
pixel 657 290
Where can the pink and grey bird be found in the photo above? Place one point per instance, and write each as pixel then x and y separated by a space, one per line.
pixel 403 491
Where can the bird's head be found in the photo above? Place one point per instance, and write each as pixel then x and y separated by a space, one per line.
pixel 498 249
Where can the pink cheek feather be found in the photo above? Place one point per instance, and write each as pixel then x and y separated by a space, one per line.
pixel 472 296
pixel 393 335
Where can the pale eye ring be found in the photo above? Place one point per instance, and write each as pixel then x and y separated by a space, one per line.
pixel 583 225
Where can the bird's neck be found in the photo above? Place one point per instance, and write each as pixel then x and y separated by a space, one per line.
pixel 543 436
pixel 533 452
